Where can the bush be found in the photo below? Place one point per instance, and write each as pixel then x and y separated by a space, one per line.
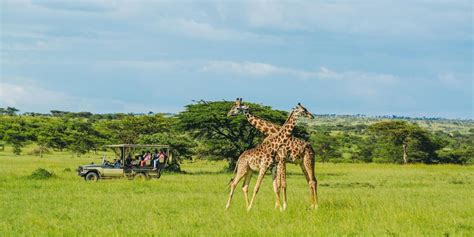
pixel 460 156
pixel 41 173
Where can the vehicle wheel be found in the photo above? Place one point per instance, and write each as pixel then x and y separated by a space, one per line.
pixel 140 176
pixel 158 175
pixel 91 176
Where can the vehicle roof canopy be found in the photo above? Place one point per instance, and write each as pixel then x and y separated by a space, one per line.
pixel 123 150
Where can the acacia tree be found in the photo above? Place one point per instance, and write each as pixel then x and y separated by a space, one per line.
pixel 415 142
pixel 221 136
pixel 11 111
pixel 16 131
pixel 325 146
pixel 53 134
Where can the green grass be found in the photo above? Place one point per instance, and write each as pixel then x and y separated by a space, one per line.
pixel 355 199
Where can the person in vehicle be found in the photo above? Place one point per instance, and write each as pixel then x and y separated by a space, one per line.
pixel 140 158
pixel 160 161
pixel 117 163
pixel 128 161
pixel 161 157
pixel 146 158
pixel 154 158
pixel 136 161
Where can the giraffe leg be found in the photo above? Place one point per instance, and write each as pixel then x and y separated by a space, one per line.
pixel 304 172
pixel 261 174
pixel 276 186
pixel 282 171
pixel 308 162
pixel 241 171
pixel 278 181
pixel 303 168
pixel 245 187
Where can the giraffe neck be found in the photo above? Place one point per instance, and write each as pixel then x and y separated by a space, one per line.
pixel 262 125
pixel 284 134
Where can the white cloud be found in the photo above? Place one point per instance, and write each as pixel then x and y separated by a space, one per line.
pixel 192 28
pixel 453 80
pixel 17 95
pixel 440 19
pixel 226 20
pixel 78 5
pixel 368 86
pixel 31 97
pixel 265 69
pixel 156 65
pixel 248 68
pixel 204 30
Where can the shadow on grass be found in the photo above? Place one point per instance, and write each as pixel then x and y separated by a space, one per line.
pixel 348 185
pixel 205 172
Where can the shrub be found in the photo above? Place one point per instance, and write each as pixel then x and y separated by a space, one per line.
pixel 41 173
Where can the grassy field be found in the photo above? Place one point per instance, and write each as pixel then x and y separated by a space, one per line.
pixel 355 200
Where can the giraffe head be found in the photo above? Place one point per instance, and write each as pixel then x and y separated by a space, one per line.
pixel 238 108
pixel 301 111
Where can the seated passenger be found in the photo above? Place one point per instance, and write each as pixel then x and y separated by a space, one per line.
pixel 162 156
pixel 146 158
pixel 128 161
pixel 136 161
pixel 160 160
pixel 154 157
pixel 117 163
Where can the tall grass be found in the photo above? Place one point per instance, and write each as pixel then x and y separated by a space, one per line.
pixel 355 199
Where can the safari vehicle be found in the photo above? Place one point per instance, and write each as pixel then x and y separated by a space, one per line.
pixel 133 170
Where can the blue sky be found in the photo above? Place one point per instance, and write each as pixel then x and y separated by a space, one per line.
pixel 411 58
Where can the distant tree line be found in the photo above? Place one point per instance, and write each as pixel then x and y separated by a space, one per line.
pixel 204 131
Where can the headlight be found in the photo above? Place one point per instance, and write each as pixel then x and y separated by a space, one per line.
pixel 80 170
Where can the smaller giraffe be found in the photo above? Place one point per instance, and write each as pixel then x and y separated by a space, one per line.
pixel 262 156
pixel 299 151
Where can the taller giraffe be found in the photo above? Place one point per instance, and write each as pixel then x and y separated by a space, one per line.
pixel 297 149
pixel 262 156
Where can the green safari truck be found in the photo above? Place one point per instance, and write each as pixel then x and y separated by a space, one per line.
pixel 128 163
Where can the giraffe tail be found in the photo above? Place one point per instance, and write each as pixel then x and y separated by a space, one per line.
pixel 233 177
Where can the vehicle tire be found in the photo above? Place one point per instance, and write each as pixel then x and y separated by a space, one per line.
pixel 92 176
pixel 158 175
pixel 140 176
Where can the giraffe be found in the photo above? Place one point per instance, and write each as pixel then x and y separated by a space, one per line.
pixel 297 149
pixel 262 156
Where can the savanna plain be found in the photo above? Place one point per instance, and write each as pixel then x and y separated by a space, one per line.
pixel 354 200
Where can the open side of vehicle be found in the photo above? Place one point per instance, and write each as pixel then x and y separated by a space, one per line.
pixel 127 168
